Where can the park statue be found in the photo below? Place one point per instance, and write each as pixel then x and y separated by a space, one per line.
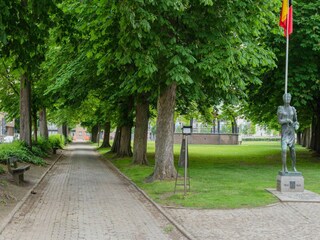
pixel 287 117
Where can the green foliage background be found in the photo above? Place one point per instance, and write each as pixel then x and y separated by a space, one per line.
pixel 19 150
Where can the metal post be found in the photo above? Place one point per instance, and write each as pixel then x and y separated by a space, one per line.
pixel 185 164
pixel 287 53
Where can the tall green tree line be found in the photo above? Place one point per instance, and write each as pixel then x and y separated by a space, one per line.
pixel 304 74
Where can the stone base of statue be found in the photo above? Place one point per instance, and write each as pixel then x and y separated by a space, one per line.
pixel 290 182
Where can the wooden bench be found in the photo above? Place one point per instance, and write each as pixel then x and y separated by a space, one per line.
pixel 16 172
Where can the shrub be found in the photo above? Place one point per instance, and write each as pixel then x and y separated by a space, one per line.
pixel 42 147
pixel 69 139
pixel 57 140
pixel 36 150
pixel 21 151
pixel 1 170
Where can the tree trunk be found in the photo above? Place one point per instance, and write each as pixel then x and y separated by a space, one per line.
pixel 306 137
pixel 116 141
pixel 141 132
pixel 43 126
pixel 106 136
pixel 98 135
pixel 164 164
pixel 126 123
pixel 315 136
pixel 25 110
pixel 94 133
pixel 35 126
pixel 299 137
pixel 125 142
pixel 214 125
pixel 65 131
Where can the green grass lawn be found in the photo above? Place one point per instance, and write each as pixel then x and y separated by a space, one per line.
pixel 224 176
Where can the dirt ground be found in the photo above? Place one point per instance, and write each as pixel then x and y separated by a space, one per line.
pixel 11 193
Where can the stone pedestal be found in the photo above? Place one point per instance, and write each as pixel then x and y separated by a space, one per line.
pixel 290 182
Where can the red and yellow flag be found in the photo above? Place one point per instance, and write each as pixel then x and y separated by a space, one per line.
pixel 286 17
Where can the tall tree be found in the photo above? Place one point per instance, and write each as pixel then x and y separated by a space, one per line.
pixel 24 27
pixel 136 47
pixel 9 89
pixel 43 126
pixel 304 72
pixel 25 110
pixel 106 135
pixel 164 168
pixel 167 46
pixel 181 51
pixel 141 131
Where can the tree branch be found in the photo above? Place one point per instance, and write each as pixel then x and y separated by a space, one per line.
pixel 7 76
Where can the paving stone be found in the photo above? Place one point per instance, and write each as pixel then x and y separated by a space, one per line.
pixel 81 198
pixel 279 221
pixel 305 196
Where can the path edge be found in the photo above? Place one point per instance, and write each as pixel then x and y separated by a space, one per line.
pixel 170 219
pixel 8 218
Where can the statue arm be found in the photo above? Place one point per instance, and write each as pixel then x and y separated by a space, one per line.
pixel 295 119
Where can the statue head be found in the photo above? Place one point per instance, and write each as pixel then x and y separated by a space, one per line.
pixel 286 98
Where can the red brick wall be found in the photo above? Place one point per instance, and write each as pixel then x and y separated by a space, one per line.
pixel 215 139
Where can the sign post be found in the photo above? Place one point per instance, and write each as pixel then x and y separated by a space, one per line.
pixel 183 160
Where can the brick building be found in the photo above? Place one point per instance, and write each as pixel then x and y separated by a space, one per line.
pixel 80 134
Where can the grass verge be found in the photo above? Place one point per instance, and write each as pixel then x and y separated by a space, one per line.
pixel 223 176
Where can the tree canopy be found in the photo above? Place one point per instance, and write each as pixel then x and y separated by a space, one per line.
pixel 304 72
pixel 103 60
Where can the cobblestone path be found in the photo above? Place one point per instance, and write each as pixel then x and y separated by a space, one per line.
pixel 81 198
pixel 279 221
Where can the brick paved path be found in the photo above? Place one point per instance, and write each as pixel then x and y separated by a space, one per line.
pixel 280 221
pixel 81 198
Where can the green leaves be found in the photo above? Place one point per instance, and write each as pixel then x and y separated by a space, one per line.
pixel 212 49
pixel 304 69
pixel 207 2
pixel 179 74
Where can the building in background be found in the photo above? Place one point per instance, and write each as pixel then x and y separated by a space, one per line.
pixel 52 129
pixel 7 131
pixel 80 134
pixel 6 128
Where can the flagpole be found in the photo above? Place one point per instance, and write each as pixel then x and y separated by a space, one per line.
pixel 287 53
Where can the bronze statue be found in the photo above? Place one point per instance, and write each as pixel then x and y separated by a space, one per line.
pixel 287 117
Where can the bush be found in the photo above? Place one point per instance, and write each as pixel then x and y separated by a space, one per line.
pixel 42 147
pixel 69 139
pixel 1 170
pixel 19 150
pixel 36 150
pixel 57 141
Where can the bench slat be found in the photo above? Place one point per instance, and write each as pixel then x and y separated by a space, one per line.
pixel 21 169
